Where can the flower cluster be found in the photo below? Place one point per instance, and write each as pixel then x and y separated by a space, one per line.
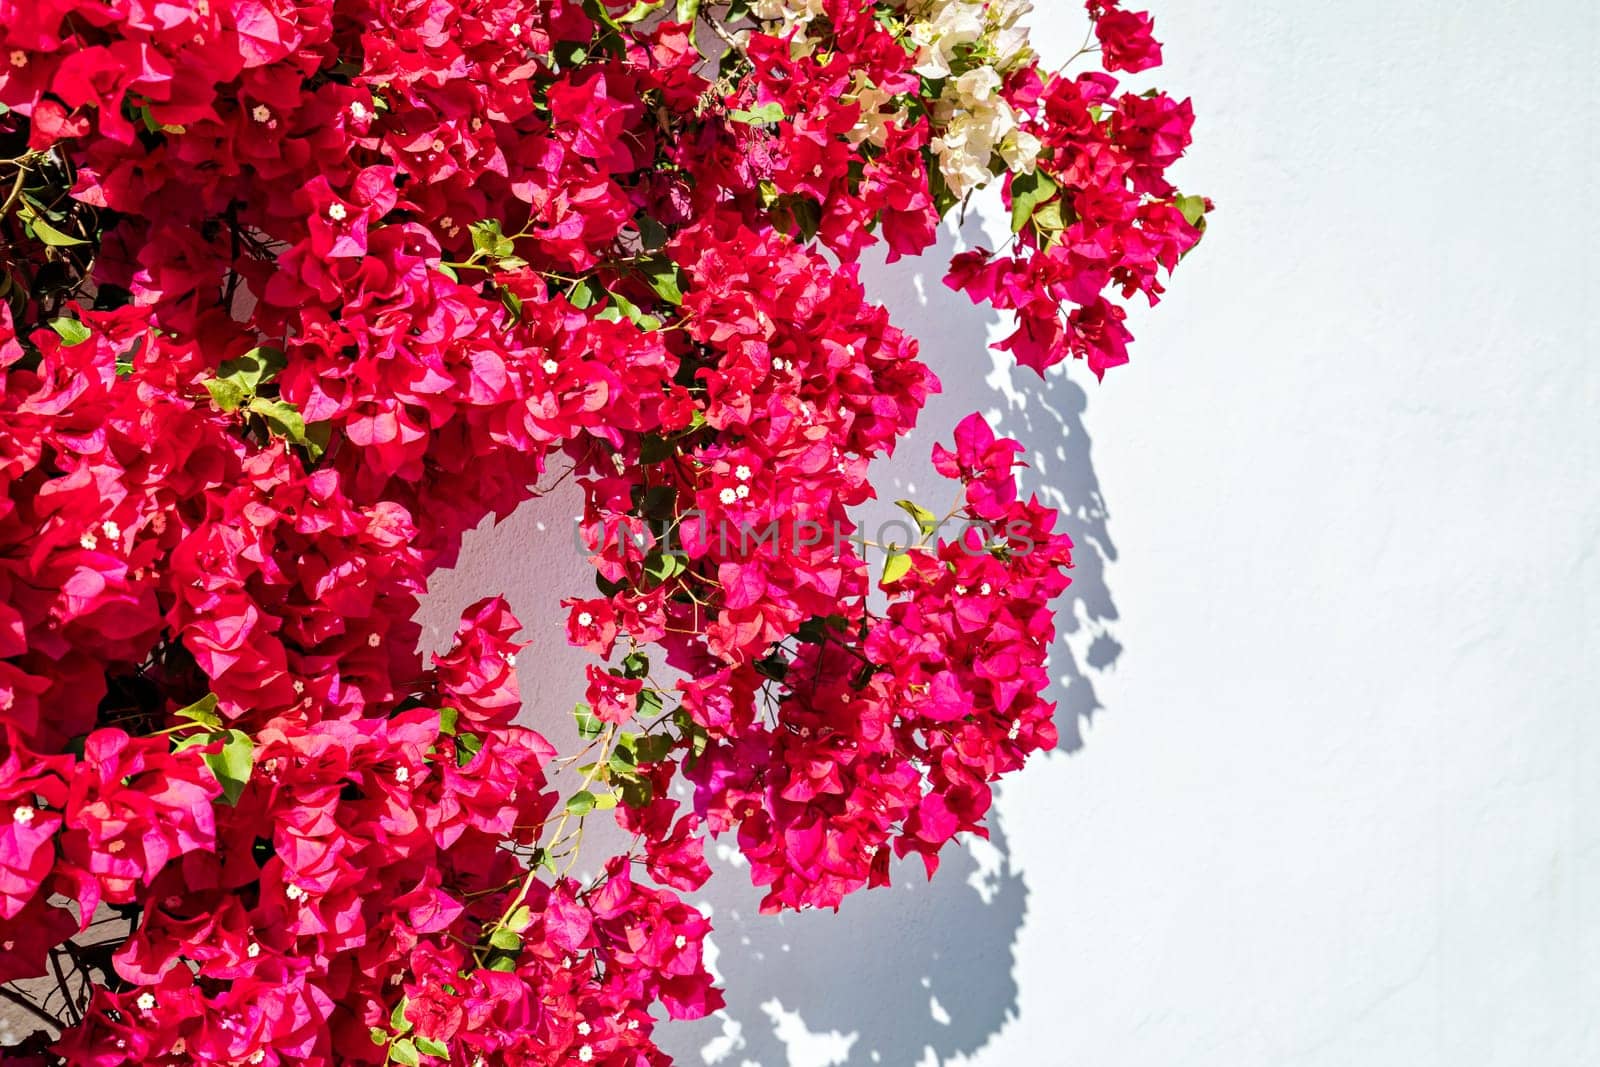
pixel 292 295
pixel 1096 212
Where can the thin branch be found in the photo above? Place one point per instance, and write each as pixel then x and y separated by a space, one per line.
pixel 66 989
pixel 16 189
pixel 29 1006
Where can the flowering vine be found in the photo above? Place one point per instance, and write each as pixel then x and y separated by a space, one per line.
pixel 295 292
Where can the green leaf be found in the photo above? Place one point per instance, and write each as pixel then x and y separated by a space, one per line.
pixel 635 665
pixel 589 727
pixel 623 306
pixel 760 115
pixel 798 212
pixel 926 521
pixel 651 233
pixel 282 418
pixel 774 666
pixel 896 567
pixel 814 631
pixel 660 502
pixel 1193 208
pixel 512 303
pixel 606 801
pixel 568 54
pixel 448 717
pixel 49 234
pixel 508 940
pixel 467 747
pixel 71 331
pixel 583 294
pixel 430 1047
pixel 404 1052
pixel 662 566
pixel 688 10
pixel 637 11
pixel 488 240
pixel 318 434
pixel 581 802
pixel 233 764
pixel 1028 191
pixel 397 1018
pixel 664 277
pixel 379 1036
pixel 648 702
pixel 520 919
pixel 254 368
pixel 225 394
pixel 653 748
pixel 636 791
pixel 1048 218
pixel 238 379
pixel 202 711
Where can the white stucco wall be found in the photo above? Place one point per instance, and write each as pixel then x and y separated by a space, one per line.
pixel 1338 802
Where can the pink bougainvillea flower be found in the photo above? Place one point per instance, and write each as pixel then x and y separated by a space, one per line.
pixel 299 294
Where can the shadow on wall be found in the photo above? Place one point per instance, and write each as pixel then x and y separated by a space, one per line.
pixel 912 975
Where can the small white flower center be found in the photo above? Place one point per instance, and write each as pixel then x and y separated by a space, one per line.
pixel 336 212
pixel 23 815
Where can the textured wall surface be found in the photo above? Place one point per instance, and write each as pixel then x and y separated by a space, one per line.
pixel 1329 790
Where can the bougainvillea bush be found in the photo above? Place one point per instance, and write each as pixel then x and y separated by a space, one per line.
pixel 295 292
